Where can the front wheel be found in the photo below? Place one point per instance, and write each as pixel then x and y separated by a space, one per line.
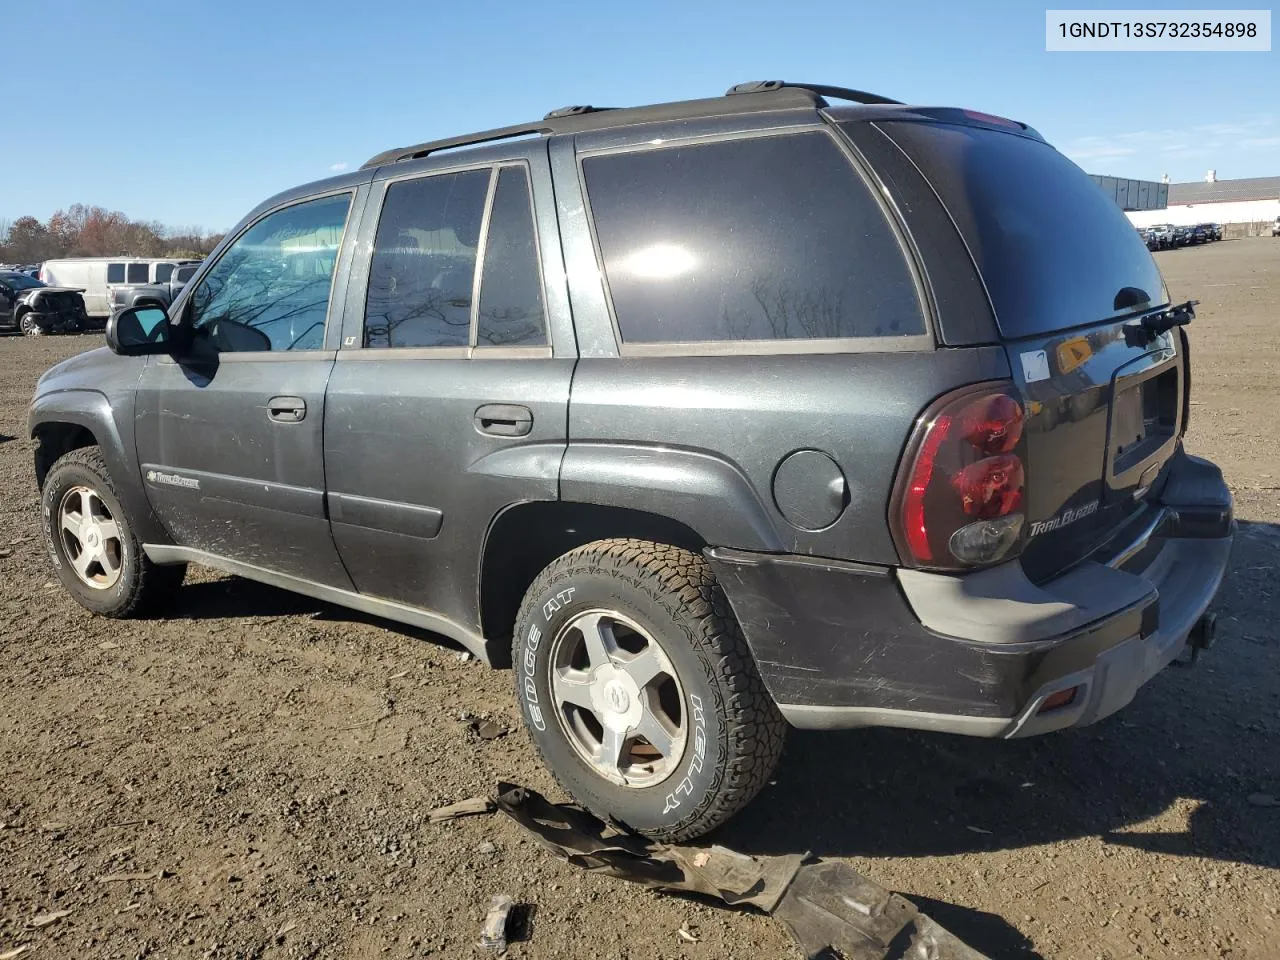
pixel 27 324
pixel 91 542
pixel 639 690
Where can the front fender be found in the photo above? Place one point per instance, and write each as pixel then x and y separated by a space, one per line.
pixel 92 411
pixel 704 492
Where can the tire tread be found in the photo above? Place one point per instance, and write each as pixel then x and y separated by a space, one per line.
pixel 754 729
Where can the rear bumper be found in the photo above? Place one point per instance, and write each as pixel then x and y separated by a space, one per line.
pixel 845 645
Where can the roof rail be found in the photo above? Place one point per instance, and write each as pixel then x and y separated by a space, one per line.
pixel 575 119
pixel 469 139
pixel 574 111
pixel 821 89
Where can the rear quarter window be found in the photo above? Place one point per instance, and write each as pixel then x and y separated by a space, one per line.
pixel 1054 251
pixel 757 239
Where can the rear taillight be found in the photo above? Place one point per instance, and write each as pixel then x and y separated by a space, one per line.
pixel 958 502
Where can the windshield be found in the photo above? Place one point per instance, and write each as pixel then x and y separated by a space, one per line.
pixel 1054 251
pixel 20 281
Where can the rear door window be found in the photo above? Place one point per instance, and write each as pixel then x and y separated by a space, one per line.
pixel 164 271
pixel 115 273
pixel 511 310
pixel 1054 251
pixel 137 272
pixel 764 238
pixel 424 262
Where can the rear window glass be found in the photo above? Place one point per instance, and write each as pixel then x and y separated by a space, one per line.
pixel 115 273
pixel 1054 251
pixel 137 272
pixel 768 238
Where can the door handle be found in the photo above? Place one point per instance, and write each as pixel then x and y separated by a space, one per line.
pixel 286 409
pixel 504 420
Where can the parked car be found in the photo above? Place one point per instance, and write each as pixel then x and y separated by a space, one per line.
pixel 1215 231
pixel 30 306
pixel 657 407
pixel 153 294
pixel 1275 228
pixel 97 275
pixel 1183 236
pixel 1163 236
pixel 1201 233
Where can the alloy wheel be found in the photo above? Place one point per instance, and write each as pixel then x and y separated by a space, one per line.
pixel 618 699
pixel 90 537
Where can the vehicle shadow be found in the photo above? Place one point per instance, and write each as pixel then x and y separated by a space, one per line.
pixel 5 438
pixel 236 597
pixel 1187 753
pixel 988 933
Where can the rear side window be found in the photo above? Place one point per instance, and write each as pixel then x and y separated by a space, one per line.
pixel 1054 251
pixel 511 312
pixel 115 273
pixel 137 272
pixel 185 274
pixel 769 238
pixel 424 262
pixel 163 272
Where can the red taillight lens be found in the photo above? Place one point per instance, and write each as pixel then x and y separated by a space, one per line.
pixel 959 500
pixel 921 474
pixel 990 488
pixel 992 423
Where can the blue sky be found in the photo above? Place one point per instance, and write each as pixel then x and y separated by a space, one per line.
pixel 192 113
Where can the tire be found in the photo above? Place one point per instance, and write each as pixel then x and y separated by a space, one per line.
pixel 729 732
pixel 119 580
pixel 29 327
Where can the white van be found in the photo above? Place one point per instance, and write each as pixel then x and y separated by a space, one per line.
pixel 97 275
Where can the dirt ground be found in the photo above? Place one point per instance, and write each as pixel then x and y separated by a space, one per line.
pixel 261 763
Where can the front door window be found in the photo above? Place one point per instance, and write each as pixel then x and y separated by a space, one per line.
pixel 270 290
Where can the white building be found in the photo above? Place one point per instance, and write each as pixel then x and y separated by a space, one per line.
pixel 1252 201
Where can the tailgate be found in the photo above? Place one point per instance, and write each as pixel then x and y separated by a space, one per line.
pixel 1104 411
pixel 1070 281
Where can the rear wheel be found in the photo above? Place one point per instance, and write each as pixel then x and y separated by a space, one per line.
pixel 639 690
pixel 91 542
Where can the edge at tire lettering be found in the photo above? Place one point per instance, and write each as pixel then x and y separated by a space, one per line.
pixel 529 686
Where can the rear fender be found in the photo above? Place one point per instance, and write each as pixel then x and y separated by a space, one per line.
pixel 706 493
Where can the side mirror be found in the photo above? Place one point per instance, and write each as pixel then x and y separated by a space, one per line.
pixel 139 331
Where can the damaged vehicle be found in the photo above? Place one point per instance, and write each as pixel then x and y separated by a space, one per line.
pixel 31 307
pixel 796 406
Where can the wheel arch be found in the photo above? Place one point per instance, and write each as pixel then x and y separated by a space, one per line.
pixel 525 537
pixel 68 420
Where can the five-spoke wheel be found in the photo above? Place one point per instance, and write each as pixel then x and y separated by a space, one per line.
pixel 618 698
pixel 90 537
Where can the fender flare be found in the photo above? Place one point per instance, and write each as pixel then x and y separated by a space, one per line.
pixel 92 410
pixel 706 493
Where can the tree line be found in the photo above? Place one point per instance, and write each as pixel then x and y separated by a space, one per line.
pixel 83 231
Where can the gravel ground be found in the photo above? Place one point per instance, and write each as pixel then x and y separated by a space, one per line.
pixel 249 776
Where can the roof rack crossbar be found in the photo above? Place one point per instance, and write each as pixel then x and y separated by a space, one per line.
pixel 821 89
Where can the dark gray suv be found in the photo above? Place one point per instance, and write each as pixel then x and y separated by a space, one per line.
pixel 706 417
